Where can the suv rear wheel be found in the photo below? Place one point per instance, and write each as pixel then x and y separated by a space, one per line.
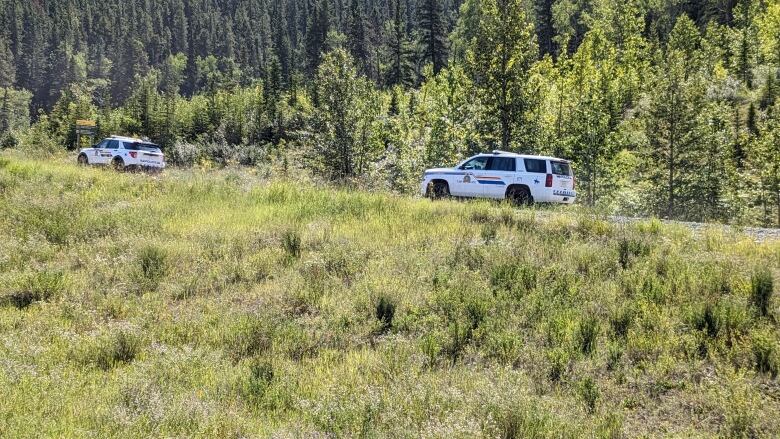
pixel 520 196
pixel 438 189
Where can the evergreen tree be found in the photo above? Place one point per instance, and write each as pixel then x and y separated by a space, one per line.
pixel 356 35
pixel 674 122
pixel 434 33
pixel 499 59
pixel 346 112
pixel 401 69
pixel 7 65
pixel 316 35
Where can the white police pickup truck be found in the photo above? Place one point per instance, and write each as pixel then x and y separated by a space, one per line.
pixel 124 153
pixel 522 179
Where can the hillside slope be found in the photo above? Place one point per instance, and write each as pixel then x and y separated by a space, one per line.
pixel 217 304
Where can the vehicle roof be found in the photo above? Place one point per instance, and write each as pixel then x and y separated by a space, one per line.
pixel 129 139
pixel 133 140
pixel 498 153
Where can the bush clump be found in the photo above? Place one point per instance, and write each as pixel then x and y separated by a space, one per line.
pixel 589 392
pixel 384 312
pixel 38 287
pixel 291 243
pixel 118 349
pixel 761 290
pixel 587 334
pixel 765 354
pixel 152 263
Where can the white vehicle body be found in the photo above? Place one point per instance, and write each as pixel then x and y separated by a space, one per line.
pixel 504 175
pixel 124 152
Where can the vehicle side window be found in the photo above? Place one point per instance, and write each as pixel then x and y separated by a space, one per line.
pixel 113 144
pixel 476 164
pixel 505 164
pixel 536 166
pixel 560 168
pixel 103 144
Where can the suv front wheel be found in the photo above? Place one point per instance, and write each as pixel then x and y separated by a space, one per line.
pixel 438 189
pixel 118 164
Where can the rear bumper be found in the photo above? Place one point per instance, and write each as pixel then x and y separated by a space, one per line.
pixel 559 196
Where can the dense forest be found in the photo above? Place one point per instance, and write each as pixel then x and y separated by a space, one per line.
pixel 666 107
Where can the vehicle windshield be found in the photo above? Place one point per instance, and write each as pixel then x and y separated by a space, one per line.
pixel 560 168
pixel 151 147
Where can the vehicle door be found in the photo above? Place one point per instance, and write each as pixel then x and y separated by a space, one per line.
pixel 94 153
pixel 104 152
pixel 499 174
pixel 466 185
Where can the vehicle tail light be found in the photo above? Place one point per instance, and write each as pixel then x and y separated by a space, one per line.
pixel 548 182
pixel 133 154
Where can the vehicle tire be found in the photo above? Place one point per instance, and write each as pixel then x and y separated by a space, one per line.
pixel 118 164
pixel 519 196
pixel 82 160
pixel 438 190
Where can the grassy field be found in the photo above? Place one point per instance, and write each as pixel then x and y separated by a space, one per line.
pixel 217 304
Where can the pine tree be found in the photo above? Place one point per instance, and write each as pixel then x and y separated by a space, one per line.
pixel 499 60
pixel 7 65
pixel 401 69
pixel 346 114
pixel 356 35
pixel 434 33
pixel 316 35
pixel 674 125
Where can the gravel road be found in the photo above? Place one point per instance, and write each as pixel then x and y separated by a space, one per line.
pixel 760 234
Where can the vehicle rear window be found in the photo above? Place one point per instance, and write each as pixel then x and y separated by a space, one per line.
pixel 142 147
pixel 560 168
pixel 506 164
pixel 536 165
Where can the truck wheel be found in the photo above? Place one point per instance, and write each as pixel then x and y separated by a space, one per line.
pixel 520 196
pixel 438 189
pixel 82 160
pixel 118 164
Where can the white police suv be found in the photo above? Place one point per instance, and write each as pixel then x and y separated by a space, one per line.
pixel 124 153
pixel 523 179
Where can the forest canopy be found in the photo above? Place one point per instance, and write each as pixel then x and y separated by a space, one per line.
pixel 666 107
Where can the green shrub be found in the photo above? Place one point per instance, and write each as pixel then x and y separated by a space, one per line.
pixel 503 347
pixel 765 354
pixel 519 423
pixel 384 312
pixel 291 243
pixel 707 320
pixel 489 232
pixel 761 290
pixel 118 349
pixel 249 337
pixel 261 377
pixel 558 359
pixel 589 393
pixel 611 427
pixel 152 263
pixel 614 356
pixel 431 348
pixel 37 287
pixel 459 335
pixel 620 321
pixel 515 278
pixel 587 334
pixel 629 249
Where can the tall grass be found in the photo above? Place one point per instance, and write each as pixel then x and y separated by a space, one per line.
pixel 213 303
